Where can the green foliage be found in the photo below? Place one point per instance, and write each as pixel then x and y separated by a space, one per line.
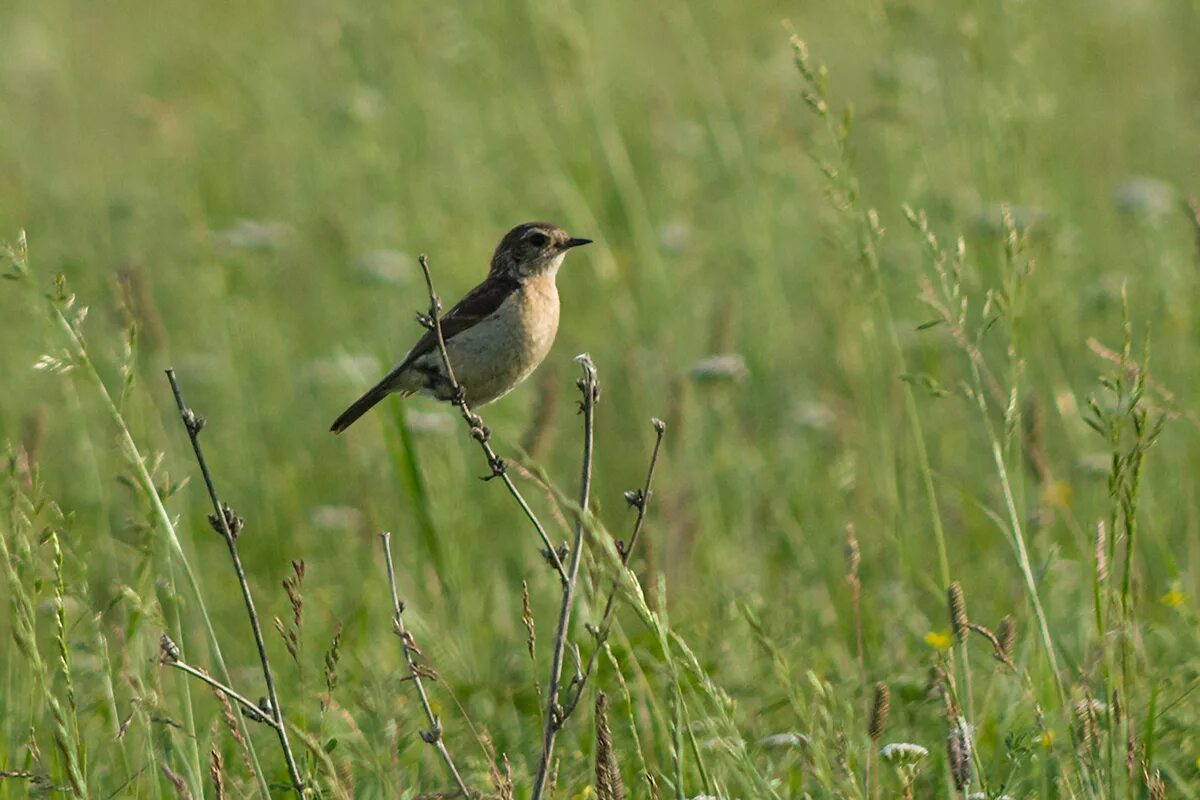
pixel 932 240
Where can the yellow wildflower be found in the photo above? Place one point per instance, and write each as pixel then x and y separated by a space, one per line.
pixel 938 640
pixel 1173 598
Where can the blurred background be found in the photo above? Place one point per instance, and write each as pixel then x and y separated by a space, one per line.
pixel 249 184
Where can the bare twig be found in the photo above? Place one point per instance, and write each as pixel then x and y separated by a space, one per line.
pixel 998 650
pixel 639 499
pixel 229 525
pixel 171 657
pixel 479 431
pixel 589 387
pixel 433 736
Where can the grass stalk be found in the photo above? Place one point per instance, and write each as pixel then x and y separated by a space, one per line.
pixel 867 230
pixel 25 636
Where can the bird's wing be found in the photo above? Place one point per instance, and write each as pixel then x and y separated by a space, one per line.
pixel 475 306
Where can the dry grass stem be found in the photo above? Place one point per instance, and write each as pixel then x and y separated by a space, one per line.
pixel 432 736
pixel 171 657
pixel 639 499
pixel 589 388
pixel 229 525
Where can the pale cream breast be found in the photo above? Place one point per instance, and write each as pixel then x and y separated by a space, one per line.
pixel 495 355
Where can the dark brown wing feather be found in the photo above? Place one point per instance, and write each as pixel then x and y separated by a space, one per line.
pixel 475 306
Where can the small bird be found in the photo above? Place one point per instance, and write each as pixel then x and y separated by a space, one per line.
pixel 496 335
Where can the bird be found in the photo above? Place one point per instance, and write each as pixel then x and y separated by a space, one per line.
pixel 496 335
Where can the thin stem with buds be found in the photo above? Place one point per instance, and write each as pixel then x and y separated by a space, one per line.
pixel 229 525
pixel 639 499
pixel 433 321
pixel 589 387
pixel 433 736
pixel 172 658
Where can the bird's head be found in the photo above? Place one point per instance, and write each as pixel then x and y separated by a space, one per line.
pixel 532 249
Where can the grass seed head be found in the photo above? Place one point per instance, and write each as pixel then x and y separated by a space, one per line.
pixel 958 611
pixel 1006 635
pixel 880 706
pixel 958 751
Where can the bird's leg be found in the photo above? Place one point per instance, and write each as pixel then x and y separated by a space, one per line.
pixel 444 388
pixel 496 463
pixel 458 397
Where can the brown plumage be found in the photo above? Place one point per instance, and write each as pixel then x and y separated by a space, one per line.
pixel 496 335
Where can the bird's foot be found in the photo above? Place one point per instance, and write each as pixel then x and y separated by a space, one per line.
pixel 559 555
pixel 498 467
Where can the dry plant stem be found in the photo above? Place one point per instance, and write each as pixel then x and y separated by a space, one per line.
pixel 590 388
pixel 193 424
pixel 434 735
pixel 255 712
pixel 479 432
pixel 129 448
pixel 601 635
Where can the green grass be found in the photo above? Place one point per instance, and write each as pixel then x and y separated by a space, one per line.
pixel 736 209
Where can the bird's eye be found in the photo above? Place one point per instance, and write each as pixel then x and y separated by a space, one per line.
pixel 537 239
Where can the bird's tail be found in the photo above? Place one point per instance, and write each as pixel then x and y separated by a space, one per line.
pixel 362 405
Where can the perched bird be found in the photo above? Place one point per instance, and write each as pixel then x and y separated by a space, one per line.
pixel 496 335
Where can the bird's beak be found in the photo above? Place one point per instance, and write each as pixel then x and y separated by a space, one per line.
pixel 575 242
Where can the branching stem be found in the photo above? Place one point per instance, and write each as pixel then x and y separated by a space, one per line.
pixel 590 388
pixel 641 500
pixel 225 522
pixel 434 735
pixel 251 708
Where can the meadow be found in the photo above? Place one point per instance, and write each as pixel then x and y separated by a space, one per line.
pixel 911 284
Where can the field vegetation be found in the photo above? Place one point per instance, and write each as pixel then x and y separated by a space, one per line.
pixel 909 288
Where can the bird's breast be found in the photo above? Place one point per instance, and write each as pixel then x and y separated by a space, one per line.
pixel 502 350
pixel 538 312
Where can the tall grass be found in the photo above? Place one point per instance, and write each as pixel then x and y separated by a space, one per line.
pixel 239 193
